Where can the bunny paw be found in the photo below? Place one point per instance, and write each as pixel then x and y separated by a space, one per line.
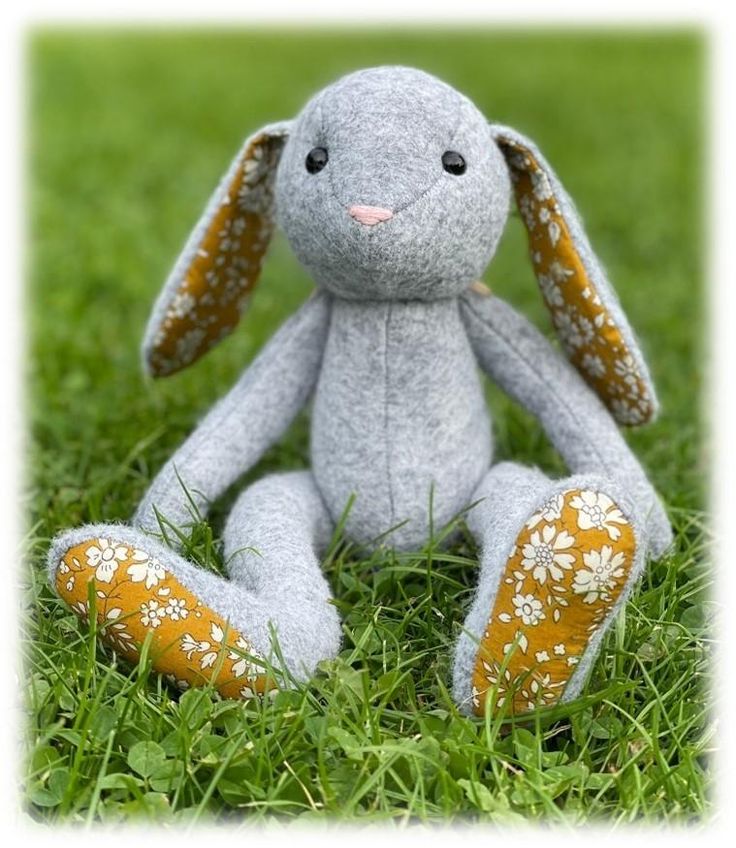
pixel 568 567
pixel 135 595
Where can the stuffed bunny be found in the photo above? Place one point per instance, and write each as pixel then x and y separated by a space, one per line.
pixel 393 191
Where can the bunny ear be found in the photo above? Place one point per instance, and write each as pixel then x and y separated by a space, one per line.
pixel 211 282
pixel 584 308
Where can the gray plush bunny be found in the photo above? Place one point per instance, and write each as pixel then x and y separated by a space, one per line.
pixel 393 191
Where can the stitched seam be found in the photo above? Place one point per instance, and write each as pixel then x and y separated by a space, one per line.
pixel 441 174
pixel 387 441
pixel 424 191
pixel 547 389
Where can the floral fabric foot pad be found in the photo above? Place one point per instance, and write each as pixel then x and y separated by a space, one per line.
pixel 136 595
pixel 563 576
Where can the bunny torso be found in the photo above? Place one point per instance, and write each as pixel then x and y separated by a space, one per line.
pixel 399 410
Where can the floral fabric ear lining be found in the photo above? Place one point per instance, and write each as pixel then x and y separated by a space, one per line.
pixel 593 341
pixel 135 595
pixel 210 286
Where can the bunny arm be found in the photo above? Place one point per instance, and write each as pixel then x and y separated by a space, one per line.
pixel 244 424
pixel 526 366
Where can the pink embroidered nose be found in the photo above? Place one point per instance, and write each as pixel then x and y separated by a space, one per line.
pixel 370 215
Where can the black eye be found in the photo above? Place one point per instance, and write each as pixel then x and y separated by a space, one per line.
pixel 316 159
pixel 453 163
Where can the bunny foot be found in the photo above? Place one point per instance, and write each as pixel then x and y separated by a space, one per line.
pixel 566 572
pixel 136 589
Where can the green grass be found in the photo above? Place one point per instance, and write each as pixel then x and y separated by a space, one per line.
pixel 128 133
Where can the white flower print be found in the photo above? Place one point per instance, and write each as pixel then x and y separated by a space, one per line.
pixel 567 329
pixel 63 567
pixel 593 365
pixel 217 635
pixel 117 631
pixel 152 614
pixel 520 642
pixel 540 185
pixel 559 649
pixel 551 511
pixel 190 645
pixel 541 656
pixel 538 691
pixel 256 192
pixel 550 290
pixel 625 368
pixel 243 666
pixel 81 608
pixel 181 305
pixel 573 660
pixel 526 209
pixel 233 289
pixel 500 681
pixel 603 570
pixel 105 558
pixel 177 609
pixel 554 232
pixel 544 555
pixel 229 239
pixel 146 568
pixel 626 414
pixel 247 692
pixel 208 659
pixel 189 343
pixel 559 272
pixel 587 331
pixel 528 609
pixel 597 511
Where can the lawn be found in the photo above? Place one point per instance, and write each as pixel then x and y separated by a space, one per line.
pixel 128 132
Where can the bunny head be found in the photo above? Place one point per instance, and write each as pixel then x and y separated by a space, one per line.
pixel 388 187
pixel 392 185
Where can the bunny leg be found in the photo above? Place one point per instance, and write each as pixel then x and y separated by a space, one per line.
pixel 274 536
pixel 558 560
pixel 203 627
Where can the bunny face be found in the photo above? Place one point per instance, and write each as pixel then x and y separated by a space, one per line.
pixel 390 186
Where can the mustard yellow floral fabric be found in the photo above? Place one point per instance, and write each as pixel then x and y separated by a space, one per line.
pixel 588 332
pixel 564 574
pixel 216 286
pixel 136 595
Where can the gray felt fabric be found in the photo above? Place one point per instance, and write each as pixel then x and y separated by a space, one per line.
pixel 293 602
pixel 390 351
pixel 244 424
pixel 275 531
pixel 399 408
pixel 507 497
